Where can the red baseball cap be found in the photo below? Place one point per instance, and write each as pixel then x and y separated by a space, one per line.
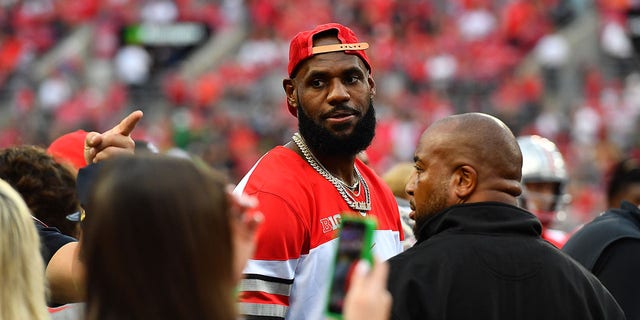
pixel 301 47
pixel 69 148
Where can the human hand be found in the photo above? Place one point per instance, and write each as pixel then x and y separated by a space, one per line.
pixel 245 221
pixel 368 298
pixel 117 140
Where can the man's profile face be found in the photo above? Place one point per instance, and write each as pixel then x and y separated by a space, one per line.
pixel 428 186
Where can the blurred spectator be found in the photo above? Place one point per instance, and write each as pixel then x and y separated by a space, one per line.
pixel 54 91
pixel 212 236
pixel 608 246
pixel 397 178
pixel 47 187
pixel 133 64
pixel 49 190
pixel 624 183
pixel 616 45
pixel 615 41
pixel 261 50
pixel 22 294
pixel 476 23
pixel 544 181
pixel 523 23
pixel 552 53
pixel 158 11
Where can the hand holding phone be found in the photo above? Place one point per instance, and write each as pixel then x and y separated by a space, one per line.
pixel 368 297
pixel 354 245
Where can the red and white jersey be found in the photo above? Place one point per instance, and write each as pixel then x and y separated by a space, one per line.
pixel 288 276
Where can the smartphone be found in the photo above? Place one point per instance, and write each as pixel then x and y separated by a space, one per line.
pixel 354 244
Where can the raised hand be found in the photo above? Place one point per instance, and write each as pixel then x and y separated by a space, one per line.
pixel 117 140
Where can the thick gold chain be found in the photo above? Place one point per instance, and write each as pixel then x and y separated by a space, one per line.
pixel 359 206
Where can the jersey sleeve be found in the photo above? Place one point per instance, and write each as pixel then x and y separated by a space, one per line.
pixel 269 275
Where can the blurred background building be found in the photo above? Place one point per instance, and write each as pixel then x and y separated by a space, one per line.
pixel 208 74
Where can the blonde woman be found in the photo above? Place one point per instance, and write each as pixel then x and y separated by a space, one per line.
pixel 22 293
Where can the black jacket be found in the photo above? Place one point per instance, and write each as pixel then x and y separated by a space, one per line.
pixel 609 246
pixel 488 261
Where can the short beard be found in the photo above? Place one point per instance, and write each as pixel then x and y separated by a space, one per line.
pixel 436 203
pixel 322 141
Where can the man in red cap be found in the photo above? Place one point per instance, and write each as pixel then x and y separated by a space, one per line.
pixel 305 185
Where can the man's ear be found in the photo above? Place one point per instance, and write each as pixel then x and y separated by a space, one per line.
pixel 290 91
pixel 465 181
pixel 372 85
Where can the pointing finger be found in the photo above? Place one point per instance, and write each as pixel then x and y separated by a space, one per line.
pixel 126 126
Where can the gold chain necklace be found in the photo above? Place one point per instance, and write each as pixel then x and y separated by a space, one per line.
pixel 340 185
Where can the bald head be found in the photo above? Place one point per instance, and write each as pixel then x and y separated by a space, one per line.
pixel 486 147
pixel 464 158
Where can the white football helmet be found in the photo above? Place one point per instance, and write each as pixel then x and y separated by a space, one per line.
pixel 542 167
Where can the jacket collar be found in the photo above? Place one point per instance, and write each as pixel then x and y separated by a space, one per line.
pixel 481 217
pixel 629 211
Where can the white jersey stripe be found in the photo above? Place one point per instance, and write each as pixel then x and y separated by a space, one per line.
pixel 264 310
pixel 282 289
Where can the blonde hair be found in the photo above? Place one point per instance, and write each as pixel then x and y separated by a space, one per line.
pixel 22 293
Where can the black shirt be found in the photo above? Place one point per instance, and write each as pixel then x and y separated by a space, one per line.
pixel 609 246
pixel 51 240
pixel 488 261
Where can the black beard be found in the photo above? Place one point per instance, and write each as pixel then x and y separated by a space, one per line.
pixel 324 142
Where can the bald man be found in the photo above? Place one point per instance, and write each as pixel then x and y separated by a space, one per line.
pixel 478 255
